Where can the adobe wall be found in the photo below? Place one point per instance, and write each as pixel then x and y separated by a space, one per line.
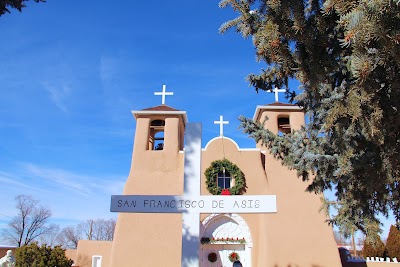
pixel 250 163
pixel 351 261
pixel 381 264
pixel 147 239
pixel 71 254
pixel 303 238
pixel 88 248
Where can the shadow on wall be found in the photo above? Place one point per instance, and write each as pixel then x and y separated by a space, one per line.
pixel 192 244
pixel 84 261
pixel 192 159
pixel 192 142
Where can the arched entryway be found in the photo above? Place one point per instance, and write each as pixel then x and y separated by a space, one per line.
pixel 224 234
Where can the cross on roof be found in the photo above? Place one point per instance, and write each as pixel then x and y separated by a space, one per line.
pixel 163 94
pixel 221 123
pixel 276 91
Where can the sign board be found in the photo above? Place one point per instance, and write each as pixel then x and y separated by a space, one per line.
pixel 195 204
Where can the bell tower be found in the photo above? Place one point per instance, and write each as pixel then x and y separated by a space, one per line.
pixel 158 147
pixel 282 117
pixel 157 168
pixel 297 206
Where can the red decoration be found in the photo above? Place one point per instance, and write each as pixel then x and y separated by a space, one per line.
pixel 234 257
pixel 225 192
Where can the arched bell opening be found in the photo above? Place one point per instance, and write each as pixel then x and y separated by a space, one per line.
pixel 283 125
pixel 156 138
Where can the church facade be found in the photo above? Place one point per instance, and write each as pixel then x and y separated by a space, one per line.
pixel 295 235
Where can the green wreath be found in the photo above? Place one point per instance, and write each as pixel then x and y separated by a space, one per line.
pixel 221 166
pixel 234 257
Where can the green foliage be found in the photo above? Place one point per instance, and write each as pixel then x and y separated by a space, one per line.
pixel 346 55
pixel 219 166
pixel 5 5
pixel 43 256
pixel 374 249
pixel 393 243
pixel 234 257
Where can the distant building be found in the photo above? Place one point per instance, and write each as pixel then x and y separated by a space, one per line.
pixel 4 249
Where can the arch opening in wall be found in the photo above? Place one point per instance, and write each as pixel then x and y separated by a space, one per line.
pixel 219 225
pixel 223 234
pixel 284 125
pixel 156 138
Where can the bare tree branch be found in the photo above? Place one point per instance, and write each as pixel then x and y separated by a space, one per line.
pixel 69 237
pixel 30 222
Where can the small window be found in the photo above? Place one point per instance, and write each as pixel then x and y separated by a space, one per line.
pixel 96 261
pixel 224 180
pixel 283 125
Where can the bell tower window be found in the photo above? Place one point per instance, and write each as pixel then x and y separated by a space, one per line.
pixel 159 141
pixel 156 138
pixel 283 125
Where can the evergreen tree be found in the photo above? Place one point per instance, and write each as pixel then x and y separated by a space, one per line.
pixel 43 256
pixel 5 5
pixel 393 243
pixel 374 249
pixel 346 55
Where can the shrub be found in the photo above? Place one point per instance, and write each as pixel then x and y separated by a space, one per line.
pixel 376 249
pixel 393 243
pixel 43 256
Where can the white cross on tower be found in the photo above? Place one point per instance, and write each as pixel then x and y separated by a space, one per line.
pixel 221 123
pixel 163 94
pixel 276 91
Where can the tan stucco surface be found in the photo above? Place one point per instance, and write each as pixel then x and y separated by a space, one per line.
pixel 295 236
pixel 88 248
pixel 382 264
pixel 149 239
pixel 71 254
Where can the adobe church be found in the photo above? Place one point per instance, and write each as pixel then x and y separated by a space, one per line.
pixel 193 202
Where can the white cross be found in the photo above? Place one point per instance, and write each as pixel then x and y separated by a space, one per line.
pixel 191 204
pixel 163 94
pixel 221 123
pixel 276 91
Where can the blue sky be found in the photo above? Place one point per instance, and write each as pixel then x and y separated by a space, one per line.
pixel 72 71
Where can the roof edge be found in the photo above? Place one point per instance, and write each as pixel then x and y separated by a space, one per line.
pixel 272 107
pixel 135 113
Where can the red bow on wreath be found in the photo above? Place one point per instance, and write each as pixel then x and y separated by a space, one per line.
pixel 225 192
